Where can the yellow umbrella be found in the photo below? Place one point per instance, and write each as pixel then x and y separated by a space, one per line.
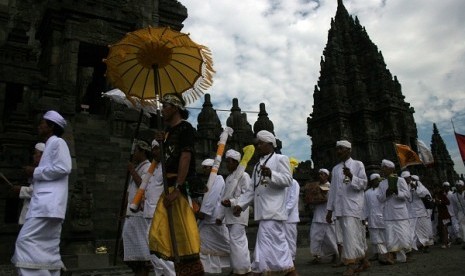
pixel 152 62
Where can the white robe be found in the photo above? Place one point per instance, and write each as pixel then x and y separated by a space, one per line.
pixel 38 242
pixel 292 206
pixel 235 187
pixel 458 204
pixel 271 252
pixel 136 226
pixel 396 215
pixel 347 201
pixel 374 210
pixel 214 239
pixel 420 223
pixel 25 193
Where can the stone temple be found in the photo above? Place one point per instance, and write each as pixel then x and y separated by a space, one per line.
pixel 51 58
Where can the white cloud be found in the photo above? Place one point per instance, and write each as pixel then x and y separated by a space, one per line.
pixel 269 51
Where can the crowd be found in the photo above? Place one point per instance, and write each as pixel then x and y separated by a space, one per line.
pixel 181 227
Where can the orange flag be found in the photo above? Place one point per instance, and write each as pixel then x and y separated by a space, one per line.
pixel 406 156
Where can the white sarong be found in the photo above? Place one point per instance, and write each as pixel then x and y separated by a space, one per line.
pixel 239 254
pixel 378 240
pixel 214 247
pixel 322 239
pixel 398 235
pixel 423 232
pixel 271 249
pixel 38 246
pixel 353 239
pixel 290 230
pixel 135 239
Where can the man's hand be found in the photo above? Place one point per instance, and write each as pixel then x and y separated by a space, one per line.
pixel 347 172
pixel 226 203
pixel 168 200
pixel 329 217
pixel 237 210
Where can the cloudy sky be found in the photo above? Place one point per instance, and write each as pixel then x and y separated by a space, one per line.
pixel 269 51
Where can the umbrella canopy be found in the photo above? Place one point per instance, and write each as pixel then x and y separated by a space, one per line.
pixel 156 61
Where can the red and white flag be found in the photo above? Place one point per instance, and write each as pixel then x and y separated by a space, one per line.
pixel 461 143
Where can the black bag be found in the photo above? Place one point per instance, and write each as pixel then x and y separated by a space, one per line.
pixel 428 202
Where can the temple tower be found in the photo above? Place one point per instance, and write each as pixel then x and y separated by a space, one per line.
pixel 357 99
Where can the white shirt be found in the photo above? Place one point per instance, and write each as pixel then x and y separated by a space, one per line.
pixel 153 192
pixel 292 202
pixel 270 198
pixel 450 196
pixel 141 169
pixel 396 204
pixel 211 204
pixel 235 187
pixel 416 206
pixel 458 205
pixel 50 193
pixel 25 193
pixel 319 210
pixel 347 199
pixel 374 209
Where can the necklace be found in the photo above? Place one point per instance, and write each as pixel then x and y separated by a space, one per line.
pixel 258 171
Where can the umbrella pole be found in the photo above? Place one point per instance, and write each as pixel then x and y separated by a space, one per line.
pixel 123 199
pixel 169 210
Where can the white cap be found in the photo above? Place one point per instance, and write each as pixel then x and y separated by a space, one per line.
pixel 447 184
pixel 415 177
pixel 459 183
pixel 55 117
pixel 324 171
pixel 387 163
pixel 344 143
pixel 374 176
pixel 233 155
pixel 208 162
pixel 155 143
pixel 405 174
pixel 266 136
pixel 40 147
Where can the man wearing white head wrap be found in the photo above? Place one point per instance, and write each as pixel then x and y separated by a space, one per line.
pixel 214 239
pixel 267 137
pixel 345 202
pixel 25 192
pixel 37 250
pixel 453 226
pixel 395 194
pixel 374 210
pixel 271 176
pixel 420 220
pixel 238 184
pixel 322 234
pixel 458 205
pixel 136 225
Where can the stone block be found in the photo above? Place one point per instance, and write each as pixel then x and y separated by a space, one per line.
pixel 93 260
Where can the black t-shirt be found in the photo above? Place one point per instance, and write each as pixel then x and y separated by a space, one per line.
pixel 180 138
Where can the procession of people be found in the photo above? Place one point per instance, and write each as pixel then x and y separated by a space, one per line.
pixel 174 232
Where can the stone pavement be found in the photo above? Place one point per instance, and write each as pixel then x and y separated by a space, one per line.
pixel 439 262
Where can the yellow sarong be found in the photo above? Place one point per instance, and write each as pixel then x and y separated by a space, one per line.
pixel 185 228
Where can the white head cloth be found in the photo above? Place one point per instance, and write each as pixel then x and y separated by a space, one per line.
pixel 405 174
pixel 155 143
pixel 387 163
pixel 40 147
pixel 459 183
pixel 446 184
pixel 374 176
pixel 55 117
pixel 415 177
pixel 266 136
pixel 344 143
pixel 324 171
pixel 208 162
pixel 234 155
